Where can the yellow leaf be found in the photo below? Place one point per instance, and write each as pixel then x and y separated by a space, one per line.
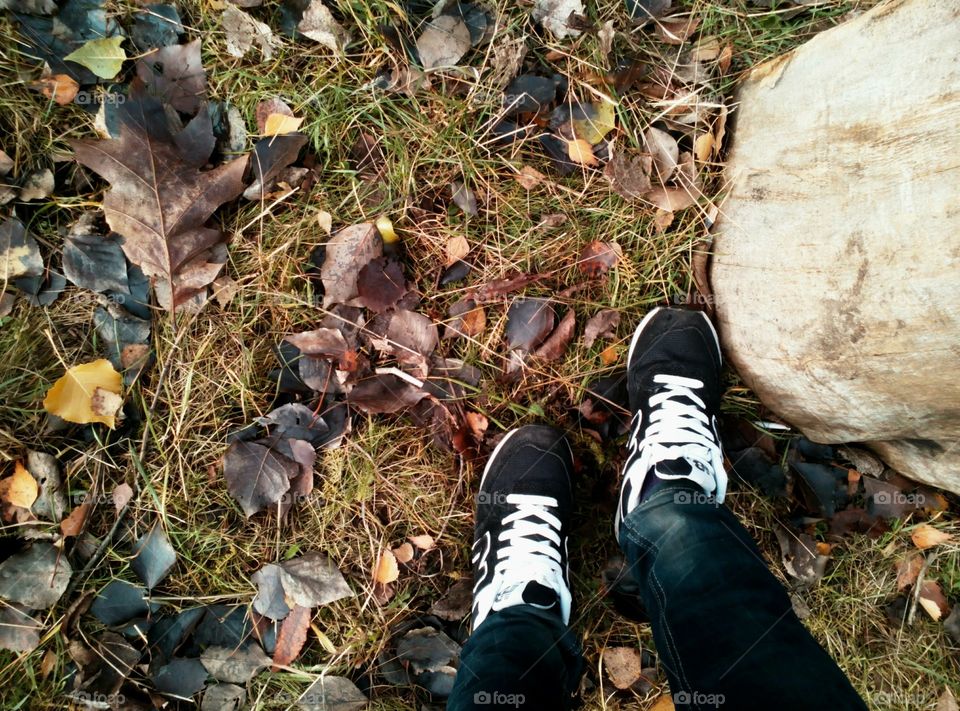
pixel 581 152
pixel 280 124
pixel 387 569
pixel 71 397
pixel 21 489
pixel 926 536
pixel 385 228
pixel 609 355
pixel 325 220
pixel 595 129
pixel 103 57
pixel 703 147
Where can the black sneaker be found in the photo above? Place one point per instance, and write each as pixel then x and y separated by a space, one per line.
pixel 522 522
pixel 673 379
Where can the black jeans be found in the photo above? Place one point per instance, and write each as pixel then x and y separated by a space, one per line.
pixel 725 631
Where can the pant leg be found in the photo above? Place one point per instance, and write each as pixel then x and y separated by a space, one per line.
pixel 724 627
pixel 519 657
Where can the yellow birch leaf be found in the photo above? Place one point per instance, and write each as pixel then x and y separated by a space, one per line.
pixel 103 57
pixel 581 152
pixel 595 128
pixel 21 489
pixel 71 397
pixel 280 124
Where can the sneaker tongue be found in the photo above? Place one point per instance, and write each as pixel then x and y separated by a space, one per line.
pixel 540 595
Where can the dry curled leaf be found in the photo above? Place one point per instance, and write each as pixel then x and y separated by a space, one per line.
pixel 387 570
pixel 623 665
pixel 597 258
pixel 403 553
pixel 602 324
pixel 926 536
pixel 556 344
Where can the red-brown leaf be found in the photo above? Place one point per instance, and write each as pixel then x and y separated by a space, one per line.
pixel 598 257
pixel 292 636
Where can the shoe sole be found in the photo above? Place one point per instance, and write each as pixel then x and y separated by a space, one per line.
pixel 649 316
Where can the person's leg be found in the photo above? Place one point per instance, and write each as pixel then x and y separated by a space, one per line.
pixel 724 627
pixel 520 653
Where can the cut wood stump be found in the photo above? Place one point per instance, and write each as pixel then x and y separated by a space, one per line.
pixel 836 258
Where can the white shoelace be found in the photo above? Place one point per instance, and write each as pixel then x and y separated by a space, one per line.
pixel 677 430
pixel 524 558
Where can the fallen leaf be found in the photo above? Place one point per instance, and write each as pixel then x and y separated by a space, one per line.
pixel 280 124
pixel 703 146
pixel 947 701
pixel 609 355
pixel 257 477
pixel 664 703
pixel 580 151
pixel 180 677
pixel 268 107
pixel 671 199
pixel 463 198
pixel 384 393
pixel 725 58
pixel 71 397
pixel 122 495
pixel 269 600
pixel 801 558
pixel 677 32
pixel 529 321
pixel 402 554
pixel 242 32
pixel 180 81
pixel 292 636
pixel 410 336
pixel 597 258
pixel 629 175
pixel 348 251
pixel 153 557
pixel 51 500
pixel 596 121
pixel 554 15
pixel 457 249
pixel 529 178
pixel 381 284
pixel 161 214
pixel 623 665
pixel 423 541
pixel 104 57
pixel 327 342
pixel 38 185
pixel 333 693
pixel 223 697
pixel 72 525
pixel 95 262
pixel 908 568
pixel 21 489
pixel 602 324
pixel 36 577
pixel 387 569
pixel 105 403
pixel 19 252
pixel 926 536
pixel 664 151
pixel 456 601
pixel 319 25
pixel 59 87
pixel 932 599
pixel 556 344
pixel 443 42
pixel 156 25
pixel 234 666
pixel 224 289
pixel 498 288
pixel 313 580
pixel 19 632
pixel 271 156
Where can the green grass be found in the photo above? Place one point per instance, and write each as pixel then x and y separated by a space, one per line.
pixel 386 483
